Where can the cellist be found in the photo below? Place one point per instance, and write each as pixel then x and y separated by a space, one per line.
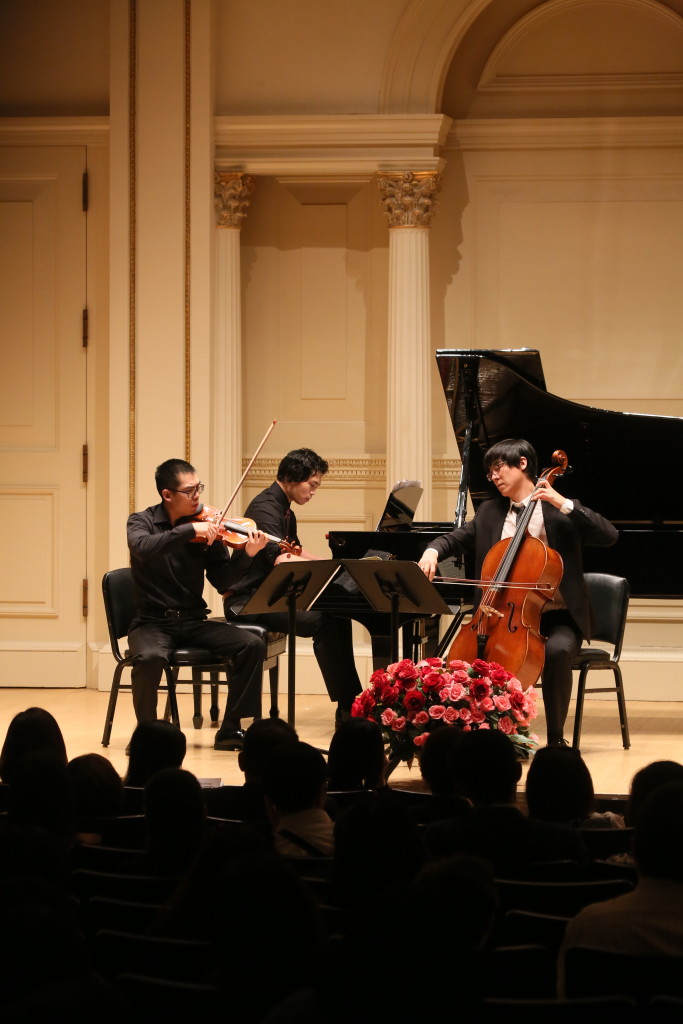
pixel 565 525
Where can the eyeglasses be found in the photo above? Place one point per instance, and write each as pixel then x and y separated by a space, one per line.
pixel 496 468
pixel 189 492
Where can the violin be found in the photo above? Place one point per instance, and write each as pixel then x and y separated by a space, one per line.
pixel 520 575
pixel 234 533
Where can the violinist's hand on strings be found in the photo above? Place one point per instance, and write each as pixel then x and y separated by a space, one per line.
pixel 207 530
pixel 428 563
pixel 544 491
pixel 256 542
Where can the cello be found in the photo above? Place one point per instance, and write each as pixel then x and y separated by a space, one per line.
pixel 519 577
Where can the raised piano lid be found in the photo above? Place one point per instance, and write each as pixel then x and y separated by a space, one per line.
pixel 617 458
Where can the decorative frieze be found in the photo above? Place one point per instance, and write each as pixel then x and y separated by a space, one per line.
pixel 360 470
pixel 409 197
pixel 231 196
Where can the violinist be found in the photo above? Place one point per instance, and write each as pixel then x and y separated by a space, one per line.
pixel 170 612
pixel 563 524
pixel 299 476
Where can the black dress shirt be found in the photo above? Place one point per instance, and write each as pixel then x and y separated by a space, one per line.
pixel 168 570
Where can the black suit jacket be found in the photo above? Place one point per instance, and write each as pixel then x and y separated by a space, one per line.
pixel 567 534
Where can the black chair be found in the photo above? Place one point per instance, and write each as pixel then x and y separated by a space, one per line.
pixel 116 953
pixel 591 972
pixel 117 590
pixel 608 597
pixel 562 899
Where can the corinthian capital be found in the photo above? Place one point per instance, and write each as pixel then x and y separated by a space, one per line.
pixel 409 197
pixel 231 194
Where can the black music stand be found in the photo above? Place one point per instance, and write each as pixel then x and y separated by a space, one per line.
pixel 395 587
pixel 291 587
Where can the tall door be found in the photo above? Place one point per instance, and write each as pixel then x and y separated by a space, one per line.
pixel 42 416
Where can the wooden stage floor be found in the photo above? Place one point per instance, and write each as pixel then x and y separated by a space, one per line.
pixel 656 733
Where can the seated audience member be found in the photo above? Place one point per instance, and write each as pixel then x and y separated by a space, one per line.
pixel 40 794
pixel 646 781
pixel 436 768
pixel 559 788
pixel 97 791
pixel 486 764
pixel 153 746
pixel 294 784
pixel 246 802
pixel 356 758
pixel 649 920
pixel 380 836
pixel 175 819
pixel 31 730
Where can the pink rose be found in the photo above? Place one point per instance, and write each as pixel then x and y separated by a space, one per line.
pixel 502 703
pixel 484 725
pixel 450 715
pixel 513 684
pixel 478 716
pixel 437 711
pixel 458 666
pixel 421 718
pixel 487 704
pixel 406 669
pixel 420 739
pixel 445 693
pixel 388 716
pixel 464 714
pixel 431 662
pixel 398 724
pixel 460 676
pixel 506 725
pixel 457 691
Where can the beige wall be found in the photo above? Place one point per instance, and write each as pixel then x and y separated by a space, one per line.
pixel 558 224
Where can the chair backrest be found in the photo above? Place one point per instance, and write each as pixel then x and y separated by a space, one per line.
pixel 608 597
pixel 117 591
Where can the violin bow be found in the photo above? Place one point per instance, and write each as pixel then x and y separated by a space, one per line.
pixel 244 475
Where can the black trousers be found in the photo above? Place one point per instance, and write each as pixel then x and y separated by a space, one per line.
pixel 151 643
pixel 562 645
pixel 332 646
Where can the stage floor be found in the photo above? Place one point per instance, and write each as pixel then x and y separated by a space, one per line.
pixel 656 733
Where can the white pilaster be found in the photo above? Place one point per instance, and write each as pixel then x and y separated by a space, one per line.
pixel 408 199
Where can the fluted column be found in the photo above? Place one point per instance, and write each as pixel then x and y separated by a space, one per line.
pixel 409 199
pixel 232 194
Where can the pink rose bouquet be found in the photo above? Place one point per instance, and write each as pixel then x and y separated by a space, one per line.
pixel 408 701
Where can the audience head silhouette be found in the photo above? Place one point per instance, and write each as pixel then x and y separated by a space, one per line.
pixel 356 759
pixel 294 778
pixel 436 760
pixel 31 730
pixel 260 740
pixel 647 780
pixel 658 835
pixel 153 746
pixel 559 786
pixel 485 765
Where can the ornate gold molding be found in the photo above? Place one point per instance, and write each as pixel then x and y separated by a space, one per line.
pixel 132 246
pixel 409 197
pixel 363 471
pixel 232 192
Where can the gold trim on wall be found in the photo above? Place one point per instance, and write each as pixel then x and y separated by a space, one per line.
pixel 132 245
pixel 365 471
pixel 187 268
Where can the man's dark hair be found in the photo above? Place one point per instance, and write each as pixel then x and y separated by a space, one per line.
pixel 168 473
pixel 485 767
pixel 658 835
pixel 260 740
pixel 511 451
pixel 300 465
pixel 293 777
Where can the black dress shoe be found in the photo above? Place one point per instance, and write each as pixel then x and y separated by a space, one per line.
pixel 557 742
pixel 233 740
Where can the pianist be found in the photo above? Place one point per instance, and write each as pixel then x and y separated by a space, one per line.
pixel 565 525
pixel 299 476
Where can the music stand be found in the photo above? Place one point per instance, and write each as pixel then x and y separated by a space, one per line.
pixel 396 587
pixel 291 587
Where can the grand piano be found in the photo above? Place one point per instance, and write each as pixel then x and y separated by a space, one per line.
pixel 621 466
